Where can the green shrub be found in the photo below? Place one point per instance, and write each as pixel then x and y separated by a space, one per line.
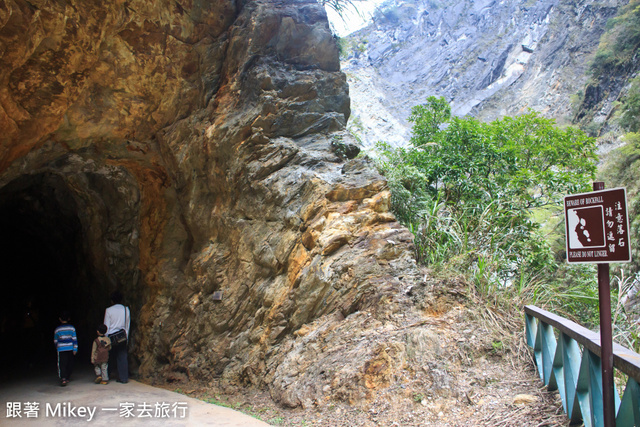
pixel 630 118
pixel 469 191
pixel 620 42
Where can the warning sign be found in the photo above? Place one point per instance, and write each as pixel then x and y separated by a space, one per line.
pixel 597 226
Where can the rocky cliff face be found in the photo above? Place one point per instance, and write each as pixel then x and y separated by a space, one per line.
pixel 487 58
pixel 183 148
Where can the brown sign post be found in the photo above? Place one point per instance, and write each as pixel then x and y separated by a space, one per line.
pixel 597 227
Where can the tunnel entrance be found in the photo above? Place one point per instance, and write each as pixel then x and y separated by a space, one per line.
pixel 44 269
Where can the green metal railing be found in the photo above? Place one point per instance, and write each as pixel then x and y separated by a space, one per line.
pixel 569 361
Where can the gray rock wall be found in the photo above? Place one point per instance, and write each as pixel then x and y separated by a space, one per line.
pixel 487 58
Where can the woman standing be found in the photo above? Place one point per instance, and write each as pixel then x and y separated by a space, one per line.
pixel 117 318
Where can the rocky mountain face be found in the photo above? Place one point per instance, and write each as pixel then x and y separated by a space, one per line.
pixel 193 154
pixel 487 58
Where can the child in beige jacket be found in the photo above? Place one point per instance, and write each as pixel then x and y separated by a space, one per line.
pixel 100 355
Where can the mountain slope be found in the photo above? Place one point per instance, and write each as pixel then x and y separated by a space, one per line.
pixel 487 58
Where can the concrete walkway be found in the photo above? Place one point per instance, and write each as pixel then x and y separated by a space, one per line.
pixel 42 402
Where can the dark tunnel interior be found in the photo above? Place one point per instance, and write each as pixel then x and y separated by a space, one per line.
pixel 44 270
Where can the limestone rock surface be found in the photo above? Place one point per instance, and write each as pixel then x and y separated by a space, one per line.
pixel 487 58
pixel 193 145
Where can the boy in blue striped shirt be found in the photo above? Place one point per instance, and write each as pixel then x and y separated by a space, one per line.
pixel 67 345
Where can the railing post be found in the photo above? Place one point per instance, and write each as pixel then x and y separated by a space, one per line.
pixel 548 355
pixel 537 351
pixel 629 412
pixel 571 361
pixel 559 370
pixel 530 329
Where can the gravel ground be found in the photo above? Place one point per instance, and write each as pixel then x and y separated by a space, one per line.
pixel 485 377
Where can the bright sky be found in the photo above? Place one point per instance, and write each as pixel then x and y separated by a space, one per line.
pixel 353 20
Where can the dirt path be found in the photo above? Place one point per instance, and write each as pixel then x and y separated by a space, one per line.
pixel 82 402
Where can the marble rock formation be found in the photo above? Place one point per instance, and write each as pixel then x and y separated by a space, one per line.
pixel 487 58
pixel 199 149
